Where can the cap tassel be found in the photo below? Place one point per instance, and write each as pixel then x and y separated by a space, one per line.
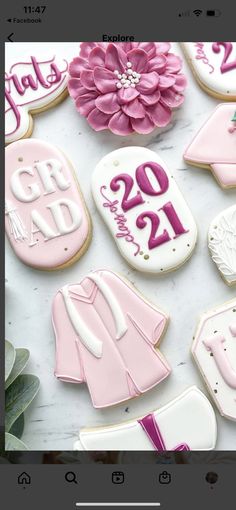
pixel 17 228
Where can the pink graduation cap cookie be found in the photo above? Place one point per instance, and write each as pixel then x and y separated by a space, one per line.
pixel 214 146
pixel 106 335
pixel 186 423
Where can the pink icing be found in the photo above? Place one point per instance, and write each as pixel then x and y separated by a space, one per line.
pixel 100 95
pixel 226 66
pixel 214 145
pixel 58 202
pixel 128 365
pixel 144 182
pixel 42 75
pixel 127 203
pixel 154 241
pixel 201 55
pixel 173 218
pixel 215 344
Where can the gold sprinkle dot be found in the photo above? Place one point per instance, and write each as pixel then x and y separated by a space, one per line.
pixel 173 249
pixel 146 257
pixel 141 253
pixel 20 159
pixel 116 163
pixel 65 249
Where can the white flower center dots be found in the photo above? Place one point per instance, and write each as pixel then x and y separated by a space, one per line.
pixel 128 79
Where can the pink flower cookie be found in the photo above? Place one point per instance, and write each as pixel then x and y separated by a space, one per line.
pixel 186 423
pixel 214 350
pixel 214 67
pixel 214 146
pixel 126 87
pixel 31 86
pixel 106 335
pixel 144 210
pixel 47 222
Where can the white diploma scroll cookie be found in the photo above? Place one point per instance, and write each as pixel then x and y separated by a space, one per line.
pixel 222 243
pixel 144 209
pixel 214 67
pixel 186 423
pixel 214 350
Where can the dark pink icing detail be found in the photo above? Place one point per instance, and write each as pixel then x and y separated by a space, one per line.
pixel 120 220
pixel 153 241
pixel 145 184
pixel 228 48
pixel 127 203
pixel 29 81
pixel 202 56
pixel 150 427
pixel 174 220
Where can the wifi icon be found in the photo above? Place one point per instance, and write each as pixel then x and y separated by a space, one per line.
pixel 198 12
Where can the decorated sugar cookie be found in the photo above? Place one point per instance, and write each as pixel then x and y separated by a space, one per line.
pixel 47 222
pixel 126 87
pixel 222 243
pixel 214 350
pixel 106 335
pixel 144 209
pixel 214 146
pixel 186 423
pixel 214 67
pixel 31 86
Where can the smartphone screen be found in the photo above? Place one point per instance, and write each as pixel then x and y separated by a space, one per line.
pixel 118 372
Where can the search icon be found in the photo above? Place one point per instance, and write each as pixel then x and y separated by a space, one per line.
pixel 71 477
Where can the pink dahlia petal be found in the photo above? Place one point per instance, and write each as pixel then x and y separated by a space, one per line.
pixel 74 87
pixel 162 47
pixel 86 103
pixel 98 120
pixel 148 83
pixel 134 109
pixel 171 98
pixel 96 58
pixel 157 63
pixel 128 46
pixel 180 83
pixel 108 103
pixel 120 124
pixel 139 60
pixel 149 48
pixel 115 58
pixel 166 81
pixel 104 80
pixel 85 48
pixel 127 95
pixel 143 126
pixel 173 63
pixel 160 114
pixel 87 79
pixel 150 99
pixel 77 65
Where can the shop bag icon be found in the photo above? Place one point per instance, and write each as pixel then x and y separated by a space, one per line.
pixel 164 478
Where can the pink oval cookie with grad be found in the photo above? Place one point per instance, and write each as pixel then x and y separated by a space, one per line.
pixel 47 222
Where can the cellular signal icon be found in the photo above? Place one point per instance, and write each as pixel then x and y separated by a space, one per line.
pixel 197 12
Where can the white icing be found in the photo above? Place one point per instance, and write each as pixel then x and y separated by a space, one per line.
pixel 52 168
pixel 17 188
pixel 118 316
pixel 88 339
pixel 207 68
pixel 222 243
pixel 217 322
pixel 17 228
pixel 162 258
pixel 179 421
pixel 57 212
pixel 42 226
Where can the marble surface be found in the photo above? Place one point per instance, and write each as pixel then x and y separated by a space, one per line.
pixel 61 409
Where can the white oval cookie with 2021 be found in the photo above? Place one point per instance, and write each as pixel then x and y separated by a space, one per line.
pixel 144 209
pixel 222 243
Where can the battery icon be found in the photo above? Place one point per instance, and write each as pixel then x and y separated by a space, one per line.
pixel 213 12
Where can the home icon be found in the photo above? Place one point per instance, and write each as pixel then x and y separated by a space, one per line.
pixel 24 479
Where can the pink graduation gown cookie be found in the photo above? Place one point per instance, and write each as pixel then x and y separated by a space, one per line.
pixel 214 146
pixel 144 209
pixel 47 222
pixel 31 86
pixel 106 335
pixel 222 243
pixel 214 350
pixel 186 423
pixel 214 67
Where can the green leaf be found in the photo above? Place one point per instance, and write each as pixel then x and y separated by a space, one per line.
pixel 19 396
pixel 13 443
pixel 10 355
pixel 18 427
pixel 21 359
